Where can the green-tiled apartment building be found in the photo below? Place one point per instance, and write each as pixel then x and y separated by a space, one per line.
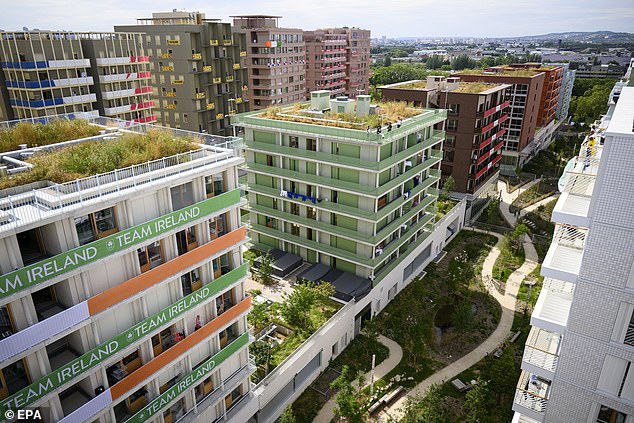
pixel 324 187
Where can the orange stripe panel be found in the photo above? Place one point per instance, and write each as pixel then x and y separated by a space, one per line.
pixel 118 293
pixel 171 354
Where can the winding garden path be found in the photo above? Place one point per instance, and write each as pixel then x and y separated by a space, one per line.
pixel 327 413
pixel 507 301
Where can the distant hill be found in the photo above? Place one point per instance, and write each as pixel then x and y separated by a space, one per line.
pixel 595 37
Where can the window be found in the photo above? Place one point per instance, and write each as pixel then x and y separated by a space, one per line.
pixel 294 209
pixel 448 155
pixel 617 378
pixel 186 240
pixel 293 142
pixel 452 124
pixel 311 144
pixel 269 160
pixel 224 302
pixel 31 246
pixel 233 397
pixel 150 256
pixel 13 378
pixel 450 140
pixel 608 415
pixel 218 226
pixel 7 328
pixel 215 184
pixel 182 196
pixel 228 335
pixel 453 109
pixel 295 229
pixel 165 340
pixel 96 225
pixel 191 282
pixel 221 265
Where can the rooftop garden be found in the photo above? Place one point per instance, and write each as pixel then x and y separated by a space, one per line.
pixel 37 134
pixel 505 72
pixel 417 85
pixel 392 111
pixel 281 327
pixel 474 87
pixel 100 156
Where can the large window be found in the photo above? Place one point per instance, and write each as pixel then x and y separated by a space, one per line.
pixel 182 196
pixel 96 225
pixel 214 185
pixel 191 282
pixel 150 256
pixel 221 265
pixel 218 226
pixel 608 415
pixel 186 240
pixel 13 378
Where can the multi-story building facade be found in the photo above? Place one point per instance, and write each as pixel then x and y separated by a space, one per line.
pixel 326 58
pixel 525 96
pixel 121 294
pixel 197 75
pixel 578 355
pixel 48 73
pixel 358 70
pixel 337 59
pixel 475 134
pixel 565 93
pixel 356 201
pixel 275 61
pixel 551 90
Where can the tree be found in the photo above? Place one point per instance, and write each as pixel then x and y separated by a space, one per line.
pixel 515 239
pixel 259 316
pixel 387 61
pixel 434 62
pixel 447 188
pixel 265 270
pixel 288 416
pixel 462 61
pixel 477 402
pixel 349 405
pixel 296 307
pixel 462 316
pixel 429 409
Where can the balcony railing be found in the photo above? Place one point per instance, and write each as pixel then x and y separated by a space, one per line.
pixel 542 349
pixel 532 393
pixel 570 236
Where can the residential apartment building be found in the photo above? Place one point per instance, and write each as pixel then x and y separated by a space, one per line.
pixel 577 359
pixel 197 76
pixel 525 96
pixel 475 131
pixel 275 61
pixel 48 73
pixel 358 70
pixel 349 199
pixel 121 294
pixel 551 90
pixel 337 59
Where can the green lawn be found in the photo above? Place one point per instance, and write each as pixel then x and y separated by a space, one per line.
pixel 522 294
pixel 493 216
pixel 535 193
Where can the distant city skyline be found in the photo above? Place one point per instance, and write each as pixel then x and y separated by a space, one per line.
pixel 397 18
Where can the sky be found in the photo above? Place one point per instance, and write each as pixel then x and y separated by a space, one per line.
pixel 391 18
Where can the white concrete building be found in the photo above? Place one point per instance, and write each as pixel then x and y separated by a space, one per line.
pixel 578 356
pixel 121 293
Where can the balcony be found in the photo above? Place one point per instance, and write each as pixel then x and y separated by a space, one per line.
pixel 48 64
pixel 131 92
pixel 213 42
pixel 531 396
pixel 563 260
pixel 199 95
pixel 51 83
pixel 541 352
pixel 519 418
pixel 495 123
pixel 552 310
pixel 117 77
pixel 110 61
pixel 197 56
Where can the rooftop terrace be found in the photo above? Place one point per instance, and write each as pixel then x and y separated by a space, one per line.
pixel 506 72
pixel 44 181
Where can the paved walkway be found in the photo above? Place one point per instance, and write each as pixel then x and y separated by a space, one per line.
pixel 507 301
pixel 508 198
pixel 327 413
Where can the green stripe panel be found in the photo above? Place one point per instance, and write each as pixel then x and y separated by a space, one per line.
pixel 189 380
pixel 108 349
pixel 39 272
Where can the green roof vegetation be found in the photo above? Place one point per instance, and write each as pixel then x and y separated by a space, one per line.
pixel 484 72
pixel 390 111
pixel 94 157
pixel 416 85
pixel 34 135
pixel 474 87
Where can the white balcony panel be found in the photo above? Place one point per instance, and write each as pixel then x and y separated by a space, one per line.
pixel 111 95
pixel 41 331
pixel 562 262
pixel 520 418
pixel 112 111
pixel 71 82
pixel 572 209
pixel 124 77
pixel 551 311
pixel 78 99
pixel 73 63
pixel 541 352
pixel 531 396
